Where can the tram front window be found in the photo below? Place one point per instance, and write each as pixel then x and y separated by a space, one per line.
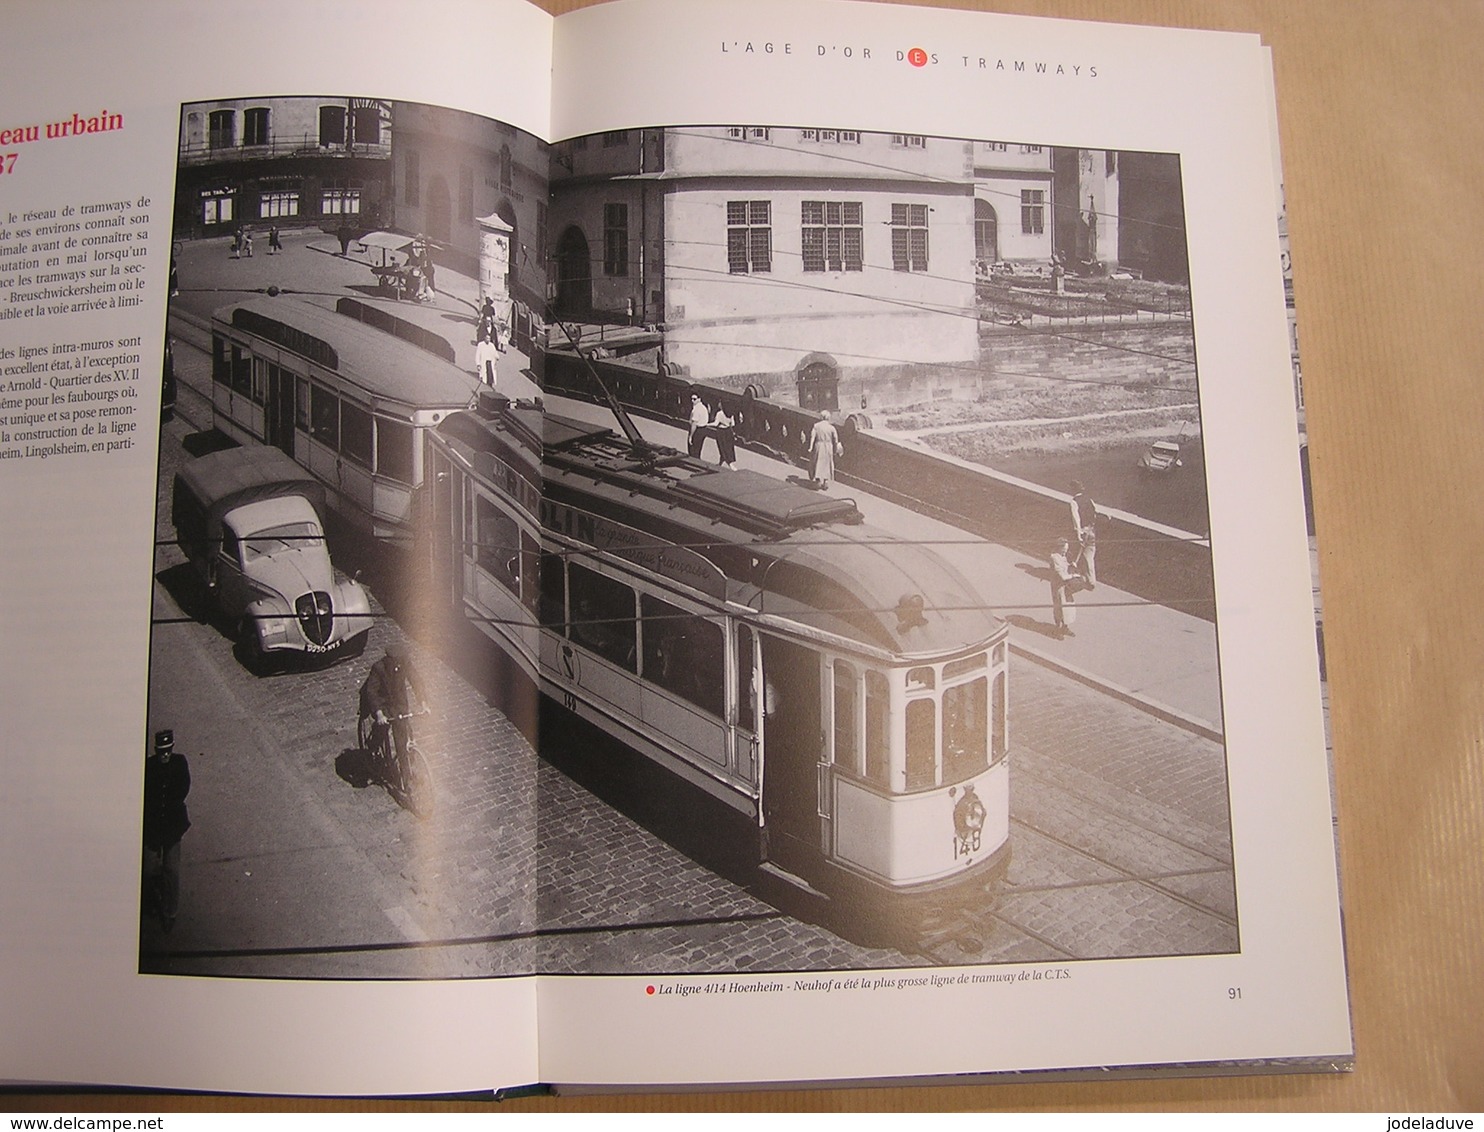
pixel 847 753
pixel 394 450
pixel 922 743
pixel 878 733
pixel 965 730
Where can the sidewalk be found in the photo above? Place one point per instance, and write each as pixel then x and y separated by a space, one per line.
pixel 1156 657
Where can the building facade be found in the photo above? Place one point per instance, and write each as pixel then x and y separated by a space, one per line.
pixel 450 169
pixel 319 162
pixel 770 254
pixel 1013 197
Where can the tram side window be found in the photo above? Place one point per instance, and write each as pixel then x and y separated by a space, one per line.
pixel 301 404
pixel 999 702
pixel 221 372
pixel 847 746
pixel 530 555
pixel 746 694
pixel 394 450
pixel 684 654
pixel 324 416
pixel 355 433
pixel 497 548
pixel 241 371
pixel 602 615
pixel 878 746
pixel 260 368
pixel 552 612
pixel 965 730
pixel 922 743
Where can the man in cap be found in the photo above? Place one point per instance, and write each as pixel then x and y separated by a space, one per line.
pixel 390 693
pixel 167 781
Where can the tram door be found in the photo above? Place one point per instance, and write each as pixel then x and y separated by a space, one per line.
pixel 278 412
pixel 793 738
pixel 441 485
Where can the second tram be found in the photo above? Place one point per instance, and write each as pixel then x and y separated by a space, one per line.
pixel 346 400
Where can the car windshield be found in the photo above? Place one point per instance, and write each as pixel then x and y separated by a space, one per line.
pixel 275 540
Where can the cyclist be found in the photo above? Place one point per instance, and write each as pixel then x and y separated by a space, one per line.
pixel 392 691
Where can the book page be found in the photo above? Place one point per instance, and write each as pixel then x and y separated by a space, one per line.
pixel 1026 277
pixel 157 169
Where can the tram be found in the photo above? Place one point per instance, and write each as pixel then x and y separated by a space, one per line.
pixel 345 398
pixel 842 689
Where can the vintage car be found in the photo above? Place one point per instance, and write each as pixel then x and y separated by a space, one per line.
pixel 250 521
pixel 1161 456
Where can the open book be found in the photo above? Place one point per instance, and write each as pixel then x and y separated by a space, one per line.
pixel 681 544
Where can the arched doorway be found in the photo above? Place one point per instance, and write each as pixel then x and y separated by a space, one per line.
pixel 817 378
pixel 986 232
pixel 574 293
pixel 440 211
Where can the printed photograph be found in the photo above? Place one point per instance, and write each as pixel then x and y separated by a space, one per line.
pixel 683 550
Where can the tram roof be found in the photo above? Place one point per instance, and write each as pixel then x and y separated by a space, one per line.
pixel 387 367
pixel 781 548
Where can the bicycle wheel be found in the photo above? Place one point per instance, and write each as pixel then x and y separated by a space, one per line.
pixel 416 785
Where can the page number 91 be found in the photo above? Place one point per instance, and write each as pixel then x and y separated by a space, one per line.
pixel 1234 993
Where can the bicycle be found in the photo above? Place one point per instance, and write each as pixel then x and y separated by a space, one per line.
pixel 401 767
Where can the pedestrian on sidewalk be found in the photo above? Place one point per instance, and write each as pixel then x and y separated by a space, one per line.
pixel 275 245
pixel 486 354
pixel 247 242
pixel 1064 584
pixel 488 326
pixel 1084 533
pixel 237 243
pixel 726 447
pixel 700 420
pixel 824 446
pixel 167 781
